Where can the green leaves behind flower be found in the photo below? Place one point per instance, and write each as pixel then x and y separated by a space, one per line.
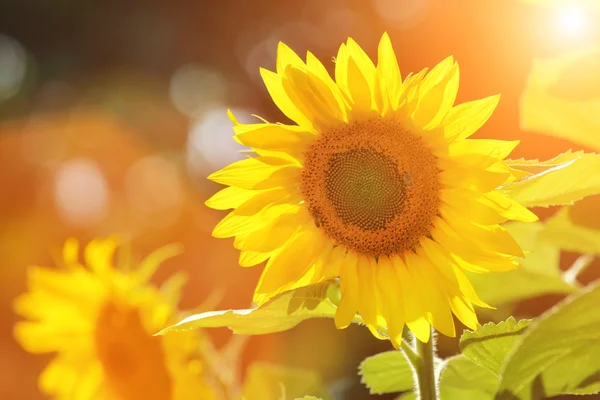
pixel 560 181
pixel 561 229
pixel 279 314
pixel 462 379
pixel 490 345
pixel 388 372
pixel 538 274
pixel 559 353
pixel 562 97
pixel 266 381
pixel 472 375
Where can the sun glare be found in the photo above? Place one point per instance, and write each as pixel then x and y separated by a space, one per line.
pixel 572 20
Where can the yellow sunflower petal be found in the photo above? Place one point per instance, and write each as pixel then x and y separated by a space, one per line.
pixel 71 252
pixel 150 264
pixel 349 287
pixel 498 149
pixel 507 207
pixel 39 338
pixel 409 92
pixel 457 283
pixel 59 375
pixel 388 77
pixel 287 265
pixel 355 75
pixel 323 264
pixel 381 308
pixel 287 57
pixel 254 214
pixel 316 67
pixel 231 197
pixel 256 173
pixel 315 98
pixel 98 254
pixel 274 84
pixel 275 234
pixel 341 70
pixel 437 93
pixel 426 284
pixel 464 312
pixel 414 312
pixel 234 224
pixel 252 258
pixel 492 237
pixel 275 137
pixel 367 306
pixel 390 288
pixel 465 119
pixel 472 256
pixel 466 204
pixel 483 180
pixel 337 261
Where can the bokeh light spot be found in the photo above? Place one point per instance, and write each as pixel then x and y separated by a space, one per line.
pixel 81 192
pixel 13 67
pixel 195 88
pixel 210 145
pixel 405 13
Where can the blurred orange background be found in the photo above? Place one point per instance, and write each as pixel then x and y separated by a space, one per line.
pixel 112 113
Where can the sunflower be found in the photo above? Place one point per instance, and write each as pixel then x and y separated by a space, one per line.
pixel 100 322
pixel 376 184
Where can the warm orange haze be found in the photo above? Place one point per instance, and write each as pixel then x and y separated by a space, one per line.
pixel 384 171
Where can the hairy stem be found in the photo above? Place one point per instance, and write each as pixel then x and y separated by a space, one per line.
pixel 425 369
pixel 413 358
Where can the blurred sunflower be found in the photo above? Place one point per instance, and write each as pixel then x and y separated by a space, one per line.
pixel 100 320
pixel 378 185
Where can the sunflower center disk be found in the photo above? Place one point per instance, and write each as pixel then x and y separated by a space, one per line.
pixel 365 188
pixel 132 360
pixel 372 187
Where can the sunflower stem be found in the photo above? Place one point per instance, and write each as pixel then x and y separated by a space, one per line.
pixel 413 358
pixel 425 369
pixel 571 274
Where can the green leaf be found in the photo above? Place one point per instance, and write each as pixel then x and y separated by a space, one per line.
pixel 539 271
pixel 308 398
pixel 560 185
pixel 489 345
pixel 559 354
pixel 269 381
pixel 562 232
pixel 533 167
pixel 541 257
pixel 462 379
pixel 512 286
pixel 281 313
pixel 562 97
pixel 387 372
